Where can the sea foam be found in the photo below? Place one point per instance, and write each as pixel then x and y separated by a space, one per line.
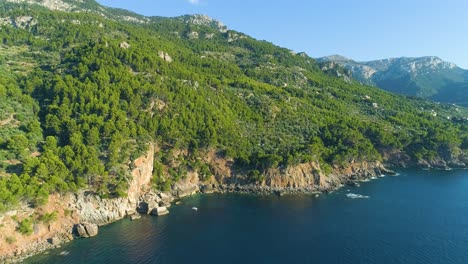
pixel 356 196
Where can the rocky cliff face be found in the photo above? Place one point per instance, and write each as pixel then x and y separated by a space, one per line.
pixel 79 215
pixel 306 177
pixel 310 176
pixel 203 20
pixel 454 159
pixel 142 174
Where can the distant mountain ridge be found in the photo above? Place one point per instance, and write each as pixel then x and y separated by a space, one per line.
pixel 427 77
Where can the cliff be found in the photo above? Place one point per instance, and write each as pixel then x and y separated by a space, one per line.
pixel 83 209
pixel 80 214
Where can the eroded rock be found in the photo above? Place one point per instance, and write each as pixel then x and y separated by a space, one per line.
pixel 80 231
pixel 160 211
pixel 124 45
pixel 91 229
pixel 86 230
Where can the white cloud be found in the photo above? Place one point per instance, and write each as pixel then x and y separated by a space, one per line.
pixel 194 2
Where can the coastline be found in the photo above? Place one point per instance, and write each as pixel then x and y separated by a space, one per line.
pixel 91 209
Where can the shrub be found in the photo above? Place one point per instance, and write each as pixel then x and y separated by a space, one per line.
pixel 10 240
pixel 166 186
pixel 204 171
pixel 256 176
pixel 26 226
pixel 47 218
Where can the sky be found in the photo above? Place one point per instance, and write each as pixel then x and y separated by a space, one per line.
pixel 358 29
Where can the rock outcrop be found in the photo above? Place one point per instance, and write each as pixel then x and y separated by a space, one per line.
pixel 455 159
pixel 80 214
pixel 93 209
pixel 163 55
pixel 188 186
pixel 149 201
pixel 86 230
pixel 204 20
pixel 160 211
pixel 141 174
pixel 124 45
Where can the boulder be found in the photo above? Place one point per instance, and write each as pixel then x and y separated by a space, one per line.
pixel 86 230
pixel 80 231
pixel 166 198
pixel 160 211
pixel 91 229
pixel 152 204
pixel 135 217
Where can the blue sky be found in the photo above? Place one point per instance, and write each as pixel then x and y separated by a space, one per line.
pixel 358 29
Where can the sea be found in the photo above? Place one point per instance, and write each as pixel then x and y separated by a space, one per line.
pixel 413 218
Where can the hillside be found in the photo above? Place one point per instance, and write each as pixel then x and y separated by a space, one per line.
pixel 425 77
pixel 89 88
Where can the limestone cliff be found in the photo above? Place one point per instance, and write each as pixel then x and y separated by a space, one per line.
pixel 72 209
pixel 305 177
pixel 445 160
pixel 79 215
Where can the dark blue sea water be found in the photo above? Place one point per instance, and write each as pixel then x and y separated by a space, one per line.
pixel 417 217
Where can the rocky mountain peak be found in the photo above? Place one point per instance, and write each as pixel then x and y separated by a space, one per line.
pixel 415 65
pixel 204 20
pixel 59 5
pixel 428 77
pixel 335 58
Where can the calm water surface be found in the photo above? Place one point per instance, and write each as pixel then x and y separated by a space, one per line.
pixel 417 217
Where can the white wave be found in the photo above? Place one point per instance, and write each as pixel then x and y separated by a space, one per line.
pixel 356 196
pixel 64 253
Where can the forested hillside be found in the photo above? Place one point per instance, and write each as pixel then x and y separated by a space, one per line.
pixel 84 93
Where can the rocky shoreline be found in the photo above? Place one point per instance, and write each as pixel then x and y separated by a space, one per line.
pixel 91 211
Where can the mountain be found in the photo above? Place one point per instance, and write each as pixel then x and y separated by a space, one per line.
pixel 425 77
pixel 104 103
pixel 89 88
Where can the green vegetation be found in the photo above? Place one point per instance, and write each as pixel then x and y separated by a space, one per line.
pixel 431 78
pixel 10 240
pixel 25 227
pixel 48 218
pixel 91 106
